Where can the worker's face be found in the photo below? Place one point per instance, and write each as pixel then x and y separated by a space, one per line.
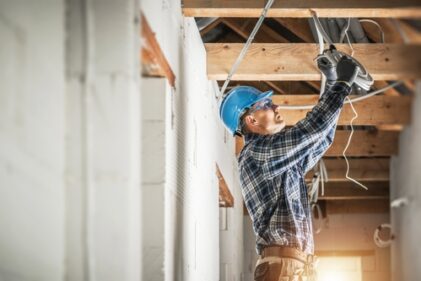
pixel 265 118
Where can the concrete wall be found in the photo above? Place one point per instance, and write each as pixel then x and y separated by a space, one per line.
pixel 194 142
pixel 32 140
pixel 405 182
pixel 154 91
pixel 69 140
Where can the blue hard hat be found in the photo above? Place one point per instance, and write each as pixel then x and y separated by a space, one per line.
pixel 235 102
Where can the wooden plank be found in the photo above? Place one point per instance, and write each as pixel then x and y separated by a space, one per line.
pixel 366 169
pixel 351 191
pixel 225 197
pixel 302 8
pixel 377 110
pixel 364 143
pixel 345 253
pixel 357 206
pixel 300 27
pixel 245 27
pixel 152 56
pixel 210 27
pixel 295 61
pixel 265 35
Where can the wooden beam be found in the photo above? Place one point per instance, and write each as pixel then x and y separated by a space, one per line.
pixel 265 34
pixel 366 169
pixel 377 110
pixel 300 27
pixel 211 26
pixel 363 206
pixel 302 8
pixel 357 206
pixel 351 191
pixel 364 143
pixel 345 253
pixel 244 28
pixel 295 61
pixel 225 197
pixel 152 56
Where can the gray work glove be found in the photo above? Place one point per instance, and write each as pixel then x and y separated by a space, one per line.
pixel 347 70
pixel 327 68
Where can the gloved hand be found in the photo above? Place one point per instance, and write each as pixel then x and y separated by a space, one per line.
pixel 347 70
pixel 327 68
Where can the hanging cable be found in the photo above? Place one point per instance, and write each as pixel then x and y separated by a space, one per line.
pixel 346 148
pixel 378 26
pixel 334 58
pixel 246 46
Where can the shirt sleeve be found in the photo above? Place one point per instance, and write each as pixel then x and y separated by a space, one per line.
pixel 307 141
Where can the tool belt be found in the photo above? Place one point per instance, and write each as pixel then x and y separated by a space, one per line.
pixel 284 252
pixel 273 253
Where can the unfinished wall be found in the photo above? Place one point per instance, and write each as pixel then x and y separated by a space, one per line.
pixel 103 133
pixel 405 182
pixel 195 142
pixel 32 140
pixel 154 91
pixel 69 140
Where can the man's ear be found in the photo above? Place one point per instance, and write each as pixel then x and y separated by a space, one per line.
pixel 250 120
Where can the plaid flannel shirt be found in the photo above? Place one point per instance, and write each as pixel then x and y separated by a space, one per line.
pixel 272 170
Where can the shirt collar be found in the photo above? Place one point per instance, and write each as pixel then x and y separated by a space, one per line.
pixel 251 137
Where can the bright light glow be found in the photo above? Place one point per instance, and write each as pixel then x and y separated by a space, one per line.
pixel 339 269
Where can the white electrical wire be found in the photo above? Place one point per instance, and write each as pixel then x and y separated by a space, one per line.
pixel 246 46
pixel 347 145
pixel 378 26
pixel 320 31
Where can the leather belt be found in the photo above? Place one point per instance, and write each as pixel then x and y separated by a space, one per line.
pixel 284 252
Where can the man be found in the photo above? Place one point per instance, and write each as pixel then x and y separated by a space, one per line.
pixel 273 164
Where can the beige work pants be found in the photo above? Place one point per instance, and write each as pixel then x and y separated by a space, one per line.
pixel 281 269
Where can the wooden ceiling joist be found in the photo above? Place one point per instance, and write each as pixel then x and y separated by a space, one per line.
pixel 357 206
pixel 302 8
pixel 244 29
pixel 225 197
pixel 377 110
pixel 153 59
pixel 351 191
pixel 295 62
pixel 367 169
pixel 364 143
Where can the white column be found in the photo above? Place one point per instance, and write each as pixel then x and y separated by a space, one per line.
pixel 103 148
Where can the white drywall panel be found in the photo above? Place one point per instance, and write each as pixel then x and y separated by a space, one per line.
pixel 405 183
pixel 31 140
pixel 103 141
pixel 195 142
pixel 153 177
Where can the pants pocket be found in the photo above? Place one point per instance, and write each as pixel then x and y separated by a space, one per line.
pixel 260 273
